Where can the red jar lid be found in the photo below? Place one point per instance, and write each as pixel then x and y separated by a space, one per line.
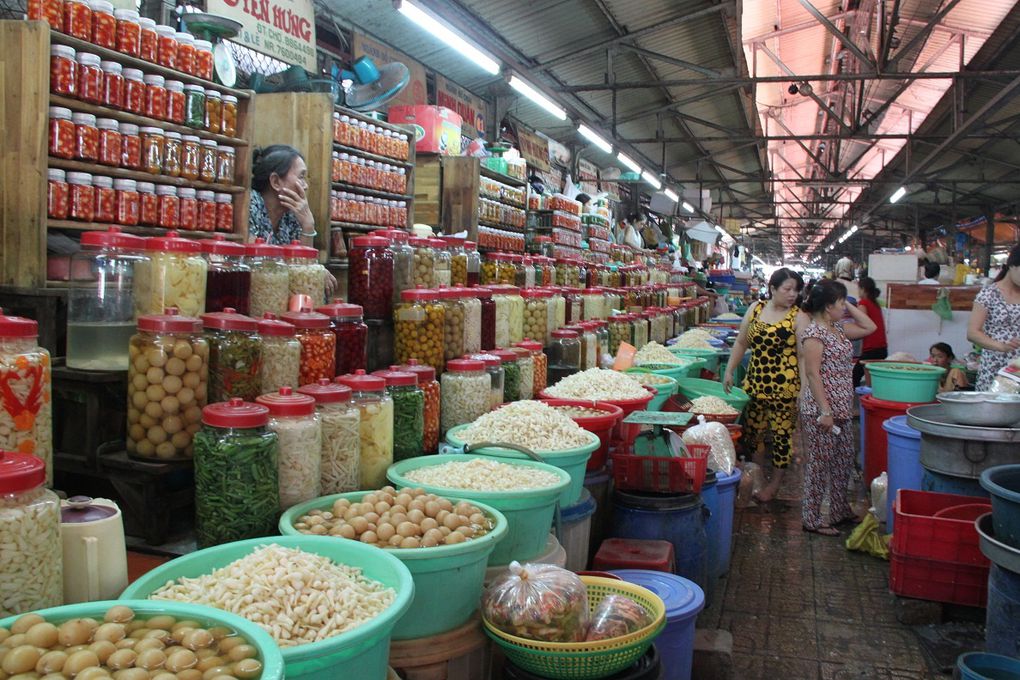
pixel 505 289
pixel 424 372
pixel 170 321
pixel 262 249
pixel 270 325
pixel 536 293
pixel 496 257
pixel 341 310
pixel 529 344
pixel 112 238
pixel 397 378
pixel 505 355
pixel 219 245
pixel 564 333
pixel 295 249
pixel 464 365
pixel 470 245
pixel 286 403
pixel 418 294
pixel 457 241
pixel 17 327
pixel 230 320
pixel 490 360
pixel 306 319
pixel 481 291
pixel 172 243
pixel 235 413
pixel 438 243
pixel 593 290
pixel 369 242
pixel 419 242
pixel 20 472
pixel 361 382
pixel 326 392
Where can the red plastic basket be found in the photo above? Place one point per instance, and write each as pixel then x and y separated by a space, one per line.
pixel 656 474
pixel 920 534
pixel 938 581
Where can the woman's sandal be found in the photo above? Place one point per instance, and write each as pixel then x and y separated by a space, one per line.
pixel 852 520
pixel 822 531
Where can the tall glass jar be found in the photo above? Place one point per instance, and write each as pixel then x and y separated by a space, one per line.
pixel 509 314
pixel 341 436
pixel 408 413
pixel 351 335
pixel 101 304
pixel 511 374
pixel 430 388
pixel 494 367
pixel 526 365
pixel 270 279
pixel 640 330
pixel 529 272
pixel 236 467
pixel 620 330
pixel 558 303
pixel 281 354
pixel 536 314
pixel 370 277
pixel 602 336
pixel 228 277
pixel 567 272
pixel 472 319
pixel 613 301
pixel 424 263
pixel 31 572
pixel 474 263
pixel 593 303
pixel 167 386
pixel 26 420
pixel 173 276
pixel 318 345
pixel 419 321
pixel 564 355
pixel 540 363
pixel 490 269
pixel 458 260
pixel 235 356
pixel 575 305
pixel 466 393
pixel 520 271
pixel 403 260
pixel 488 316
pixel 453 323
pixel 376 408
pixel 442 273
pixel 298 429
pixel 305 275
pixel 589 346
pixel 507 269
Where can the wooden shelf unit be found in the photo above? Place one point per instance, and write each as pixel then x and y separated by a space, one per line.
pixel 24 68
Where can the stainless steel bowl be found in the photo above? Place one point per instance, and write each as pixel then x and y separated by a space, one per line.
pixel 981 409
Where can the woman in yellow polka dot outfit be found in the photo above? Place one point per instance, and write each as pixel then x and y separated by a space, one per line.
pixel 769 331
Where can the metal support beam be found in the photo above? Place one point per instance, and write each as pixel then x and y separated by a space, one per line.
pixel 679 102
pixel 711 73
pixel 839 35
pixel 922 35
pixel 814 97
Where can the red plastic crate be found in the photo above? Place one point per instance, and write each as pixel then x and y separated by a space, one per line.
pixel 655 474
pixel 920 534
pixel 938 581
pixel 629 553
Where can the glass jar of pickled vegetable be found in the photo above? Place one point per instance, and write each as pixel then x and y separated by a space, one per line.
pixel 318 345
pixel 341 436
pixel 430 388
pixel 490 269
pixel 281 354
pixel 403 260
pixel 620 330
pixel 408 413
pixel 376 428
pixel 558 303
pixel 567 272
pixel 442 272
pixel 167 385
pixel 298 431
pixel 520 271
pixel 602 337
pixel 370 277
pixel 31 573
pixel 509 314
pixel 526 364
pixel 466 393
pixel 539 363
pixel 593 303
pixel 472 319
pixel 453 323
pixel 474 263
pixel 575 305
pixel 237 487
pixel 613 301
pixel 589 346
pixel 494 367
pixel 458 260
pixel 424 263
pixel 174 275
pixel 537 319
pixel 26 417
pixel 305 275
pixel 419 321
pixel 640 330
pixel 511 374
pixel 529 272
pixel 564 355
pixel 506 269
pixel 228 277
pixel 488 316
pixel 351 333
pixel 270 278
pixel 235 355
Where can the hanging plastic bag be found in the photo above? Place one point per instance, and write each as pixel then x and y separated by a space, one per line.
pixel 879 493
pixel 616 615
pixel 723 455
pixel 538 602
pixel 867 538
pixel 942 308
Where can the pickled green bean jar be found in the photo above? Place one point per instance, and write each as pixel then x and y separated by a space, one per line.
pixel 511 375
pixel 408 413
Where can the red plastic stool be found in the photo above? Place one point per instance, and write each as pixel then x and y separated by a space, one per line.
pixel 628 553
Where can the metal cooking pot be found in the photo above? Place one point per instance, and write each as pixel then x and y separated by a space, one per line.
pixel 961 450
pixel 981 409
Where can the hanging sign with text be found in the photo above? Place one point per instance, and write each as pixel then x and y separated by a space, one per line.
pixel 284 29
pixel 471 108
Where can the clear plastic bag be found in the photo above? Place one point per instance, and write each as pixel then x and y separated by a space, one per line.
pixel 879 491
pixel 538 602
pixel 723 455
pixel 616 615
pixel 1007 380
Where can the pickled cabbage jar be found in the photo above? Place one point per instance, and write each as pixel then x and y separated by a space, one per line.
pixel 228 277
pixel 351 333
pixel 539 364
pixel 270 278
pixel 465 394
pixel 509 314
pixel 408 413
pixel 529 272
pixel 370 277
pixel 236 474
pixel 298 431
pixel 442 272
pixel 419 321
pixel 458 260
pixel 640 330
pixel 536 314
pixel 472 319
pixel 167 386
pixel 235 356
pixel 403 260
pixel 559 305
pixel 430 388
pixel 511 374
pixel 305 275
pixel 101 302
pixel 474 263
pixel 173 276
pixel 26 417
pixel 318 345
pixel 281 354
pixel 526 364
pixel 376 427
pixel 575 305
pixel 620 330
pixel 31 573
pixel 594 303
pixel 341 436
pixel 488 315
pixel 424 262
pixel 564 355
pixel 494 367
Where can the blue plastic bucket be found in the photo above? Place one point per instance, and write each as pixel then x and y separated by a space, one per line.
pixel 982 666
pixel 1003 484
pixel 683 600
pixel 861 392
pixel 726 485
pixel 903 463
pixel 597 484
pixel 1002 618
pixel 575 531
pixel 943 483
pixel 713 531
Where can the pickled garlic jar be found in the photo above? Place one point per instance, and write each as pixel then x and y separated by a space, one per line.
pixel 466 393
pixel 175 275
pixel 419 321
pixel 270 287
pixel 281 353
pixel 540 363
pixel 61 132
pixel 318 345
pixel 104 24
pixel 63 71
pixel 235 355
pixel 225 160
pixel 351 335
pixel 341 438
pixel 90 77
pixel 82 196
pixel 228 280
pixel 376 426
pixel 306 276
pixel 58 195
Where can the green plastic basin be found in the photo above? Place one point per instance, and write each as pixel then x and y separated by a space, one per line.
pixel 696 387
pixel 709 356
pixel 904 382
pixel 268 652
pixel 447 578
pixel 572 461
pixel 529 514
pixel 360 653
pixel 663 390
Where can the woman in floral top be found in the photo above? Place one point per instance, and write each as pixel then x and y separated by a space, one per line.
pixel 995 321
pixel 825 402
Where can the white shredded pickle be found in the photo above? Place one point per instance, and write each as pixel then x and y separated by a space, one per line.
pixel 694 339
pixel 654 353
pixel 531 424
pixel 712 406
pixel 479 474
pixel 598 384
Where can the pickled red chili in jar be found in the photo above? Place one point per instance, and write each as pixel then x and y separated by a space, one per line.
pixel 370 277
pixel 86 137
pixel 318 345
pixel 206 211
pixel 109 142
pixel 129 32
pixel 169 206
pixel 78 19
pixel 63 70
pixel 228 122
pixel 82 196
pixel 105 209
pixel 90 78
pixel 153 145
pixel 166 54
pixel 155 97
pixel 351 333
pixel 203 59
pixel 131 147
pixel 172 154
pixel 189 208
pixel 148 210
pixel 134 91
pixel 128 201
pixel 113 84
pixel 104 24
pixel 185 53
pixel 50 11
pixel 224 212
pixel 175 101
pixel 58 195
pixel 149 41
pixel 61 132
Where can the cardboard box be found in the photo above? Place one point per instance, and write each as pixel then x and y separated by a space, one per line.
pixel 437 128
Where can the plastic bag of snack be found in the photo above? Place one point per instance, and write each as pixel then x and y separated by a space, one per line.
pixel 617 615
pixel 538 602
pixel 723 455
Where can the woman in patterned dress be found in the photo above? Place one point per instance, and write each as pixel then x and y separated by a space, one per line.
pixel 769 330
pixel 825 403
pixel 995 321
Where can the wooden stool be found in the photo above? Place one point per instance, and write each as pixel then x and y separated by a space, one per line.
pixel 459 654
pixel 89 409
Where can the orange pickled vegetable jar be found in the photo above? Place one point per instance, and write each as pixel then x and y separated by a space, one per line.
pixel 110 145
pixel 229 119
pixel 213 111
pixel 82 196
pixel 318 345
pixel 185 53
pixel 149 42
pixel 63 70
pixel 106 200
pixel 166 55
pixel 129 32
pixel 78 19
pixel 90 78
pixel 58 195
pixel 131 147
pixel 169 206
pixel 155 97
pixel 153 146
pixel 172 150
pixel 104 24
pixel 191 157
pixel 175 102
pixel 50 11
pixel 86 137
pixel 225 160
pixel 189 208
pixel 206 211
pixel 128 201
pixel 224 212
pixel 148 211
pixel 61 132
pixel 113 84
pixel 203 59
pixel 134 91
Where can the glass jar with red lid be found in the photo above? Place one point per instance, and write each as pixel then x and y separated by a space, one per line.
pixel 58 195
pixel 83 197
pixel 403 259
pixel 86 137
pixel 128 201
pixel 408 412
pixel 174 276
pixel 105 209
pixel 63 70
pixel 270 289
pixel 474 260
pixel 376 426
pixel 341 439
pixel 113 84
pixel 430 388
pixel 129 32
pixel 166 54
pixel 370 277
pixel 155 96
pixel 466 393
pixel 185 52
pixel 174 102
pixel 488 316
pixel 224 212
pixel 281 353
pixel 228 277
pixel 148 204
pixel 104 24
pixel 347 324
pixel 134 91
pixel 62 137
pixel 540 362
pixel 110 144
pixel 306 276
pixel 206 211
pixel 318 345
pixel 235 355
pixel 90 77
pixel 458 260
pixel 50 11
pixel 189 208
pixel 418 321
pixel 203 59
pixel 169 206
pixel 78 19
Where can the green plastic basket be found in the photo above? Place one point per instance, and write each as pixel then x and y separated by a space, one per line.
pixel 663 390
pixel 573 461
pixel 447 578
pixel 587 660
pixel 904 382
pixel 690 367
pixel 696 387
pixel 268 652
pixel 709 356
pixel 361 653
pixel 529 514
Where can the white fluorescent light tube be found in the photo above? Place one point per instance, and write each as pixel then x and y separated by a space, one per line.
pixel 690 208
pixel 900 193
pixel 721 230
pixel 626 160
pixel 671 195
pixel 651 179
pixel 853 229
pixel 594 138
pixel 534 95
pixel 448 36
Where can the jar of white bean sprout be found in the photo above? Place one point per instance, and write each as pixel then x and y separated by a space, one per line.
pixel 299 432
pixel 466 393
pixel 341 436
pixel 376 427
pixel 281 354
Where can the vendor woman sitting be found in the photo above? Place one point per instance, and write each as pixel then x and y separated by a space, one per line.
pixel 941 354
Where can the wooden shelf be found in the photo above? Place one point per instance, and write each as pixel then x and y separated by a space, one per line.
pixel 147 67
pixel 504 227
pixel 500 177
pixel 371 156
pixel 69 225
pixel 357 226
pixel 393 127
pixel 96 169
pixel 519 206
pixel 372 192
